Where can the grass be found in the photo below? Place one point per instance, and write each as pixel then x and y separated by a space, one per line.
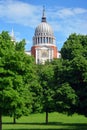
pixel 37 122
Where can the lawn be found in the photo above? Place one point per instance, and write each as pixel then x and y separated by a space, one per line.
pixel 37 122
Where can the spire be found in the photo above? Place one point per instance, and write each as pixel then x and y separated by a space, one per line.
pixel 43 15
pixel 12 35
pixel 43 11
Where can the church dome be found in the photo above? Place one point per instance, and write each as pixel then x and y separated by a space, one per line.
pixel 44 29
pixel 43 33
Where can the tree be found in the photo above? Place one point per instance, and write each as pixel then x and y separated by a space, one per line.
pixel 79 83
pixel 23 67
pixel 16 75
pixel 72 47
pixel 5 48
pixel 46 80
pixel 36 90
pixel 65 97
pixel 57 94
pixel 74 53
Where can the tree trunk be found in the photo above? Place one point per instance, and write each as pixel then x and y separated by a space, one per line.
pixel 14 119
pixel 0 121
pixel 46 117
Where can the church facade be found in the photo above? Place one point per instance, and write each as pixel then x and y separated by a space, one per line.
pixel 44 43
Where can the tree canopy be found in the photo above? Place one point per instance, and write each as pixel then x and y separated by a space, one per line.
pixel 16 76
pixel 57 86
pixel 74 53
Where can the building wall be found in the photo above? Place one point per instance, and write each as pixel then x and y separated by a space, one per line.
pixel 55 51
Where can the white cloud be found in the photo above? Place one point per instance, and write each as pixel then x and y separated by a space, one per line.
pixel 19 12
pixel 65 13
pixel 64 20
pixel 79 10
pixel 69 20
pixel 69 12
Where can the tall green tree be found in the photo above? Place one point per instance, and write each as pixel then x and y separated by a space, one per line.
pixel 74 53
pixel 16 75
pixel 57 94
pixel 65 97
pixel 72 47
pixel 36 90
pixel 46 74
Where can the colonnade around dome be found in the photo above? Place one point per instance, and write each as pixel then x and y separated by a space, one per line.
pixel 43 40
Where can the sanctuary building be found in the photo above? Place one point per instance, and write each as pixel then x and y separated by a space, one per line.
pixel 44 47
pixel 44 43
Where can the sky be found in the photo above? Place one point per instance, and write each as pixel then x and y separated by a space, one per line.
pixel 23 16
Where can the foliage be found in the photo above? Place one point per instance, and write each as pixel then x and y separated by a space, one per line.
pixel 46 74
pixel 74 53
pixel 36 90
pixel 57 94
pixel 65 97
pixel 74 46
pixel 57 86
pixel 46 80
pixel 16 75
